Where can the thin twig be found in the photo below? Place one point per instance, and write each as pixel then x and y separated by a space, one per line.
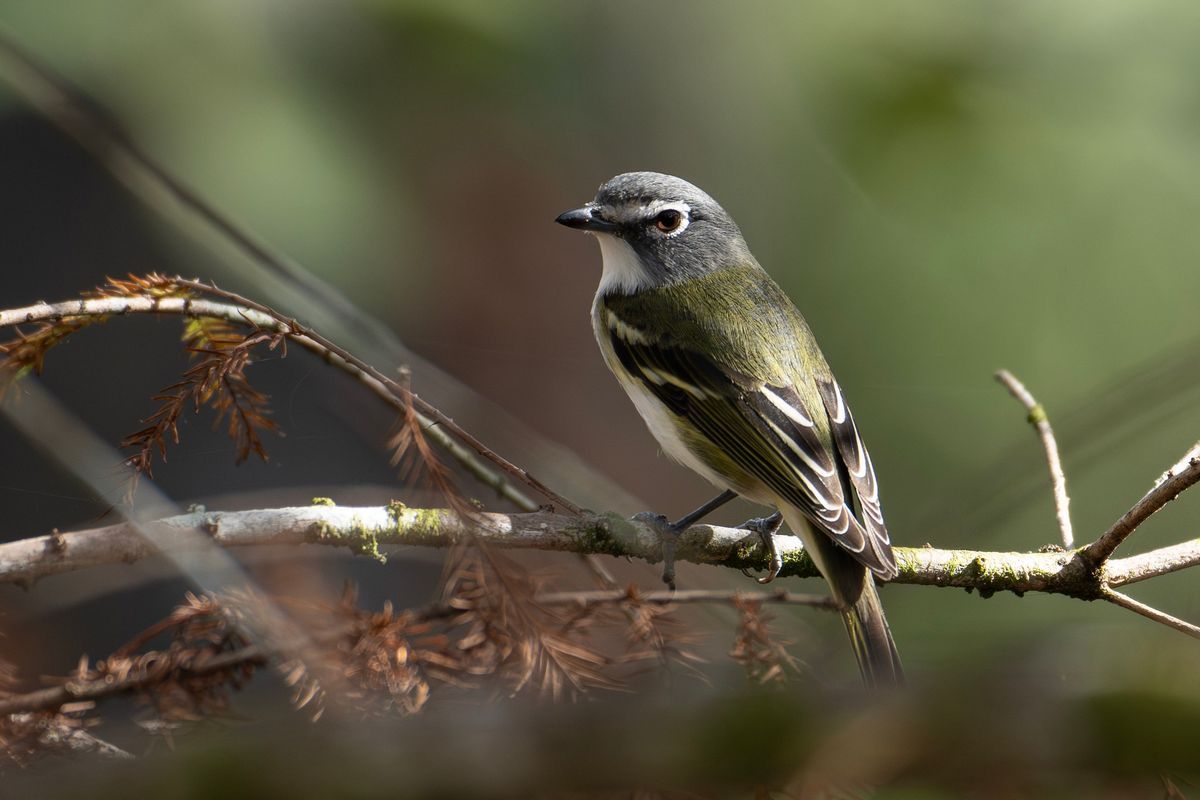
pixel 73 691
pixel 1163 561
pixel 1100 550
pixel 1191 455
pixel 1058 479
pixel 1149 612
pixel 780 596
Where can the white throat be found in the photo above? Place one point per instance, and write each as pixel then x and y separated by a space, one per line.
pixel 623 270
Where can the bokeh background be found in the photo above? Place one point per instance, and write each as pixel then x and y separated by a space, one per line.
pixel 944 188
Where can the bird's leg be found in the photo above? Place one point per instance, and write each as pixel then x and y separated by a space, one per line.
pixel 669 531
pixel 766 528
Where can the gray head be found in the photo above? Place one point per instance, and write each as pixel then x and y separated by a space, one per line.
pixel 655 230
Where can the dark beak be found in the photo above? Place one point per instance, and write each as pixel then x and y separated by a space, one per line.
pixel 585 219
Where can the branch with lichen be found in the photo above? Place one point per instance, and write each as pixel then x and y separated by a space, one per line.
pixel 374 530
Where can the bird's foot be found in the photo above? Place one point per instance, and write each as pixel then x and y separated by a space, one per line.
pixel 668 534
pixel 766 528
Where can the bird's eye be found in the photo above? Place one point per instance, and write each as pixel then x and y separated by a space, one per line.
pixel 668 220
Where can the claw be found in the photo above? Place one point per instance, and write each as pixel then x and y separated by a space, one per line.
pixel 776 561
pixel 766 527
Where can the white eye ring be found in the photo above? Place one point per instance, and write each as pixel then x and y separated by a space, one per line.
pixel 669 219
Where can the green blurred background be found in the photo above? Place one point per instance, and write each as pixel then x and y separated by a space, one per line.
pixel 944 188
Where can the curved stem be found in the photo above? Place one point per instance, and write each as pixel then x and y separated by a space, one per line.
pixel 435 425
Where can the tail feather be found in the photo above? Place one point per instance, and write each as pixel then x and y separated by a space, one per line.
pixel 871 639
pixel 853 586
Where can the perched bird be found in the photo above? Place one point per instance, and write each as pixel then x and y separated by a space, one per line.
pixel 729 379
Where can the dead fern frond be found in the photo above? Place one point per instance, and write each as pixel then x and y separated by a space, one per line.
pixel 26 352
pixel 397 657
pixel 173 689
pixel 489 633
pixel 415 458
pixel 382 662
pixel 656 636
pixel 187 680
pixel 196 611
pixel 764 658
pixel 505 632
pixel 217 379
pixel 152 285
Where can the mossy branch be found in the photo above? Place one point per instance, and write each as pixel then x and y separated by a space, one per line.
pixel 373 530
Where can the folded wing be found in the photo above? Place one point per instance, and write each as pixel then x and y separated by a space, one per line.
pixel 768 432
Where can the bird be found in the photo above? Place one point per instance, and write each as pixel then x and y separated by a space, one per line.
pixel 729 378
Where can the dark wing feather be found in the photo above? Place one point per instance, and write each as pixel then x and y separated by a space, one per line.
pixel 764 430
pixel 859 471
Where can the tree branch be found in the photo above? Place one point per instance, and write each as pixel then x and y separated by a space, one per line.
pixel 76 691
pixel 435 425
pixel 1167 490
pixel 778 596
pixel 1149 612
pixel 365 529
pixel 1041 423
pixel 1095 556
pixel 1162 561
